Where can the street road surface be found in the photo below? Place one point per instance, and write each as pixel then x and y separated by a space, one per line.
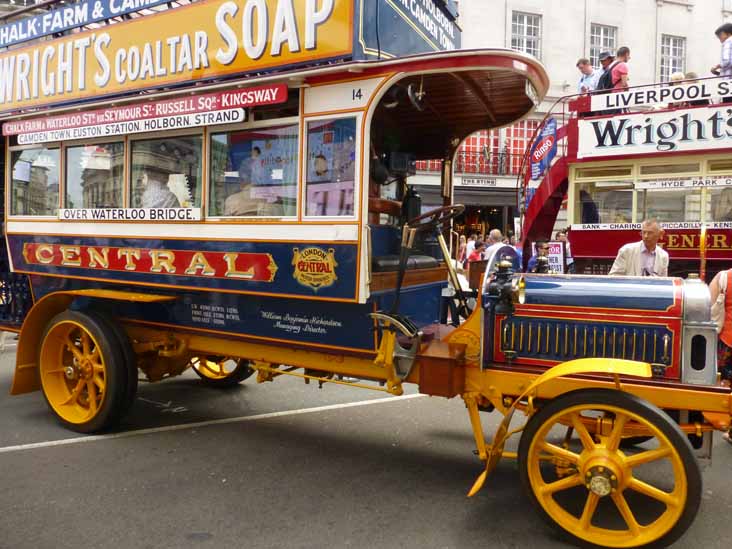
pixel 279 465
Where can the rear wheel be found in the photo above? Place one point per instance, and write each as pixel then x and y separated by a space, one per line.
pixel 83 378
pixel 221 372
pixel 600 493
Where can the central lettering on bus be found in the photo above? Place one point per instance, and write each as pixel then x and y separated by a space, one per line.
pixel 255 267
pixel 691 241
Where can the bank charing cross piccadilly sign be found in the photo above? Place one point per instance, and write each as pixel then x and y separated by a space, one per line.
pixel 211 38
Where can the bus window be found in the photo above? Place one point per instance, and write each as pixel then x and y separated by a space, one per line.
pixel 94 176
pixel 35 182
pixel 166 172
pixel 331 160
pixel 604 202
pixel 670 205
pixel 721 203
pixel 254 172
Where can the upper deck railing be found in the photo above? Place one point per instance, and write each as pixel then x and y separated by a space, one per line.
pixel 499 163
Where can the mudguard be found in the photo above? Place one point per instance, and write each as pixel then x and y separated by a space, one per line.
pixel 615 367
pixel 26 377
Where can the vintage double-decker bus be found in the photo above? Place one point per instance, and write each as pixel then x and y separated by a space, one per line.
pixel 659 151
pixel 225 187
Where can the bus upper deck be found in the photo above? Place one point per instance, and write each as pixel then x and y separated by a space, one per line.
pixel 658 151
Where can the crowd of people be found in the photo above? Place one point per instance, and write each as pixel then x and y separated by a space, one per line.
pixel 476 248
pixel 613 75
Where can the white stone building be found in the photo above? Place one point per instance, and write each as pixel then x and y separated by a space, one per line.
pixel 664 36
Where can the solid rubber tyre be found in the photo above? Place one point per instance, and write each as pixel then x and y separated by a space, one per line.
pixel 126 354
pixel 678 445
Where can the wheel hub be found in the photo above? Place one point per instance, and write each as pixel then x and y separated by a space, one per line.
pixel 601 480
pixel 85 368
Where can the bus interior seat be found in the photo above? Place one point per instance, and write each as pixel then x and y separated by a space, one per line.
pixel 385 248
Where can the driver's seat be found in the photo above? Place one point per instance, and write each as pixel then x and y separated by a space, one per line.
pixel 385 251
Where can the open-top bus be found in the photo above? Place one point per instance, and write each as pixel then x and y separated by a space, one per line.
pixel 658 151
pixel 239 205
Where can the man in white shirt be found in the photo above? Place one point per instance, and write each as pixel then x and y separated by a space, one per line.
pixel 495 241
pixel 590 76
pixel 644 258
pixel 724 67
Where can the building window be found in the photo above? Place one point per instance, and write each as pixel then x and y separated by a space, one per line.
pixel 602 38
pixel 254 172
pixel 331 167
pixel 94 176
pixel 673 56
pixel 526 33
pixel 166 172
pixel 35 178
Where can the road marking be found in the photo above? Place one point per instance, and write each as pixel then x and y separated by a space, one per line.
pixel 182 426
pixel 165 406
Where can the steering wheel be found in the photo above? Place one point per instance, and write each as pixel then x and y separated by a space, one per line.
pixel 434 218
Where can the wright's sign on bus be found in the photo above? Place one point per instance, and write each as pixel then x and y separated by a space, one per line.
pixel 703 128
pixel 211 38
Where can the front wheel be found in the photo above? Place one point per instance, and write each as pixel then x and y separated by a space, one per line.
pixel 600 493
pixel 221 372
pixel 83 379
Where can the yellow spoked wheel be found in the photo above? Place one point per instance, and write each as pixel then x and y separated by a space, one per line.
pixel 221 372
pixel 82 379
pixel 599 492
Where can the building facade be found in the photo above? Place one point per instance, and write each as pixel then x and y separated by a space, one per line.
pixel 665 36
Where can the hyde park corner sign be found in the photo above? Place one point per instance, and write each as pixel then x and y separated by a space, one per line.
pixel 210 39
pixel 696 129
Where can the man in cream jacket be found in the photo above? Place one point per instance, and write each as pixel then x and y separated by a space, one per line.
pixel 644 258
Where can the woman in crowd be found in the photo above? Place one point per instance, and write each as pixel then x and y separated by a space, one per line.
pixel 724 345
pixel 462 247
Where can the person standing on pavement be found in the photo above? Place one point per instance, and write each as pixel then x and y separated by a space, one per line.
pixel 462 246
pixel 469 247
pixel 724 343
pixel 477 253
pixel 562 237
pixel 542 250
pixel 644 258
pixel 495 241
